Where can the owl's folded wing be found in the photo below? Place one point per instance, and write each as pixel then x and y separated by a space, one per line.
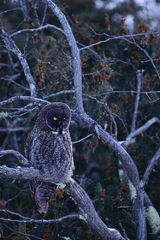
pixel 28 145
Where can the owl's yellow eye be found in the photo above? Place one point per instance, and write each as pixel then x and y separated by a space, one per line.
pixel 55 118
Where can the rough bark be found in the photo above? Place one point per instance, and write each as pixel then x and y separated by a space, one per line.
pixel 72 188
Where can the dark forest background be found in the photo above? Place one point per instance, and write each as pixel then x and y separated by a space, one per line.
pixel 110 74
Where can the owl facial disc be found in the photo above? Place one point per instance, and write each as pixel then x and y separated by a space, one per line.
pixel 58 119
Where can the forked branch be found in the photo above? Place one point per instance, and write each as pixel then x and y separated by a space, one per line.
pixel 78 194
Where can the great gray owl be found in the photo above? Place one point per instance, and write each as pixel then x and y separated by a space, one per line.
pixel 49 149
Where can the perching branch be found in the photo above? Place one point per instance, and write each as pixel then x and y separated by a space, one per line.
pixel 78 194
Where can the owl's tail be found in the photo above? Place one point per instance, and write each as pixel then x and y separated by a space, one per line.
pixel 43 192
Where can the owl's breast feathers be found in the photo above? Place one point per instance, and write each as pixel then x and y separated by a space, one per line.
pixel 51 153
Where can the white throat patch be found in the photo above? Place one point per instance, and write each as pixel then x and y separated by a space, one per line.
pixel 56 133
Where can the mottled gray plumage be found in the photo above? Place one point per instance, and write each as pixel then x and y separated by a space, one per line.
pixel 49 149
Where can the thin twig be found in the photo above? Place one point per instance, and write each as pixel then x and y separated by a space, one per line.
pixel 140 130
pixel 24 10
pixel 24 98
pixel 31 30
pixel 113 37
pixel 150 167
pixel 10 10
pixel 26 219
pixel 59 93
pixel 147 55
pixel 17 129
pixel 44 14
pixel 82 139
pixel 11 46
pixel 133 125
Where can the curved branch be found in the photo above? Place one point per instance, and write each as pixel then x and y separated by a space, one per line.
pixel 107 139
pixel 76 191
pixel 85 203
pixel 129 167
pixel 75 53
pixel 140 130
pixel 18 155
pixel 11 46
pixel 150 166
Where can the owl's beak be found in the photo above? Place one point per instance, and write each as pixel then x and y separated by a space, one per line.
pixel 60 130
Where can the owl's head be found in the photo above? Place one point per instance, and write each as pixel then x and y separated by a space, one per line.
pixel 55 117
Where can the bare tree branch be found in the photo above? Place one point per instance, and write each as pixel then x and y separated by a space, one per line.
pixel 44 14
pixel 12 129
pixel 59 93
pixel 105 137
pixel 140 130
pixel 148 56
pixel 108 110
pixel 130 169
pixel 133 126
pixel 18 155
pixel 126 38
pixel 150 167
pixel 113 37
pixel 11 46
pixel 24 98
pixel 10 10
pixel 24 10
pixel 29 220
pixel 82 139
pixel 31 30
pixel 126 91
pixel 84 120
pixel 75 190
pixel 75 53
